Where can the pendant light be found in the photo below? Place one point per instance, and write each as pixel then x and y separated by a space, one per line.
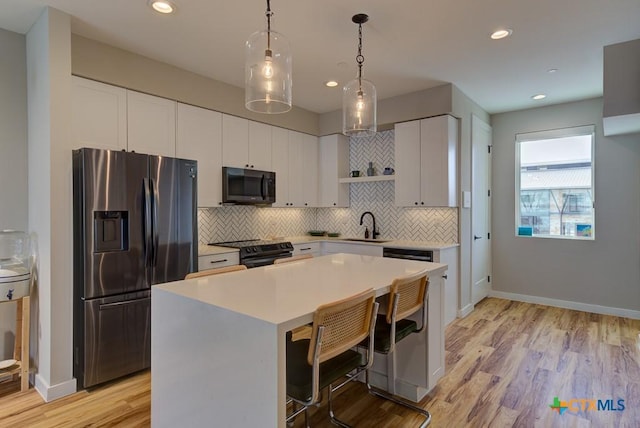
pixel 267 71
pixel 359 96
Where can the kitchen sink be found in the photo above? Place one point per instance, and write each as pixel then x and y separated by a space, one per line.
pixel 379 241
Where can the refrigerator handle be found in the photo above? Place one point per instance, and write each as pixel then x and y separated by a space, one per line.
pixel 156 227
pixel 147 222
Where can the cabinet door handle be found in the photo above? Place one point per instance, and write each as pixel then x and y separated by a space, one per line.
pixel 421 203
pixel 445 276
pixel 305 249
pixel 246 165
pixel 334 204
pixel 218 261
pixel 415 203
pixel 475 237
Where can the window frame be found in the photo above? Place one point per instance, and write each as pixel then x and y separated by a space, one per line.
pixel 584 130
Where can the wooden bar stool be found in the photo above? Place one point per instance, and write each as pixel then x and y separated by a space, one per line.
pixel 316 363
pixel 408 295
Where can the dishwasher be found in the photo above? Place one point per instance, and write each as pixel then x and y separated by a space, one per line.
pixel 404 253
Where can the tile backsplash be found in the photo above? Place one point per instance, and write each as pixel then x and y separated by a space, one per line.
pixel 422 224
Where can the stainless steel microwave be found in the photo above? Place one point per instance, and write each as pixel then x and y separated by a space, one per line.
pixel 248 186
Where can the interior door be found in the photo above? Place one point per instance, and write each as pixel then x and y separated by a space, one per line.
pixel 481 138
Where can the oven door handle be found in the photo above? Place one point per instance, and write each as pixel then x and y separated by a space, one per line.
pixel 266 260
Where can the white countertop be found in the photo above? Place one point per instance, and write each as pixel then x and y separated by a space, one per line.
pixel 290 292
pixel 207 250
pixel 394 243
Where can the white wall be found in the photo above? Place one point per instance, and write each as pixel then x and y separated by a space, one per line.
pixel 49 110
pixel 13 158
pixel 603 272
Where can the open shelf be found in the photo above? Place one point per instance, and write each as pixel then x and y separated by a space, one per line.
pixel 367 178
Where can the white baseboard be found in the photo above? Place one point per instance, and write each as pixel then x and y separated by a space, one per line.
pixel 50 393
pixel 465 311
pixel 566 304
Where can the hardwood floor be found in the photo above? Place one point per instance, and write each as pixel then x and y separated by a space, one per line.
pixel 505 364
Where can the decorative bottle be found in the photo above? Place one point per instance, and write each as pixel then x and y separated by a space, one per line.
pixel 371 171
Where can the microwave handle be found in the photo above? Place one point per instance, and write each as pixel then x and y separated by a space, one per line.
pixel 263 187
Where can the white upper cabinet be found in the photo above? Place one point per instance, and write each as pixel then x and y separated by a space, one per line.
pixel 199 137
pixel 245 143
pixel 280 165
pixel 151 124
pixel 303 170
pixel 296 169
pixel 259 146
pixel 309 173
pixel 294 158
pixel 426 159
pixel 235 141
pixel 333 152
pixel 98 115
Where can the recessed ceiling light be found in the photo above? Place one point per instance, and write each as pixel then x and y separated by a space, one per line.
pixel 162 6
pixel 552 70
pixel 539 97
pixel 331 83
pixel 501 34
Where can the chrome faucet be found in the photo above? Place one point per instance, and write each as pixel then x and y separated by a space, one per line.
pixel 375 232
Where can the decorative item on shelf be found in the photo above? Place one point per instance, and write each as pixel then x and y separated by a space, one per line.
pixel 371 171
pixel 267 71
pixel 317 232
pixel 354 174
pixel 388 171
pixel 359 96
pixel 333 234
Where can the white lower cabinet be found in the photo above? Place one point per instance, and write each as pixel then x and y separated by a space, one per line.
pixel 449 256
pixel 312 248
pixel 214 261
pixel 343 247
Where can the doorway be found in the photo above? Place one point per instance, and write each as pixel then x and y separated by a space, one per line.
pixel 481 139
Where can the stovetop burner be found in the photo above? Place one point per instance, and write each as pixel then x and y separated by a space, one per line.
pixel 257 248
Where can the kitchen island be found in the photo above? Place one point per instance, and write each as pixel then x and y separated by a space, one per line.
pixel 218 342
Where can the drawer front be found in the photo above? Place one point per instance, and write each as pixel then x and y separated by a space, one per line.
pixel 361 249
pixel 307 248
pixel 218 260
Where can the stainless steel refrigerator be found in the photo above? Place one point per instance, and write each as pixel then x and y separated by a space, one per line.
pixel 135 225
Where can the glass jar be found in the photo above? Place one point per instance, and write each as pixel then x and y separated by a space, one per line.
pixel 15 265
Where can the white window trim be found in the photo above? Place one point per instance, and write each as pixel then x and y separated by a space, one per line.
pixel 546 135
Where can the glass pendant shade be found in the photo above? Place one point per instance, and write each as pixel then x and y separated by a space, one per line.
pixel 267 73
pixel 359 108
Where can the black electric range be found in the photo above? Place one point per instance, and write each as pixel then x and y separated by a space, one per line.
pixel 256 252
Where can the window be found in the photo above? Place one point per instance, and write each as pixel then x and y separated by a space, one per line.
pixel 554 183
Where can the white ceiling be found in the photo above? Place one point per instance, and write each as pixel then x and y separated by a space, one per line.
pixel 409 45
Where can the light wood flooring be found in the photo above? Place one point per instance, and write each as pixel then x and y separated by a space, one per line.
pixel 505 364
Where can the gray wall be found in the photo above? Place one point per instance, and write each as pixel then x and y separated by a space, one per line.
pixel 13 131
pixel 603 272
pixel 13 158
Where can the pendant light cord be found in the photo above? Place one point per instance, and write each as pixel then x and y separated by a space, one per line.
pixel 359 57
pixel 269 13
